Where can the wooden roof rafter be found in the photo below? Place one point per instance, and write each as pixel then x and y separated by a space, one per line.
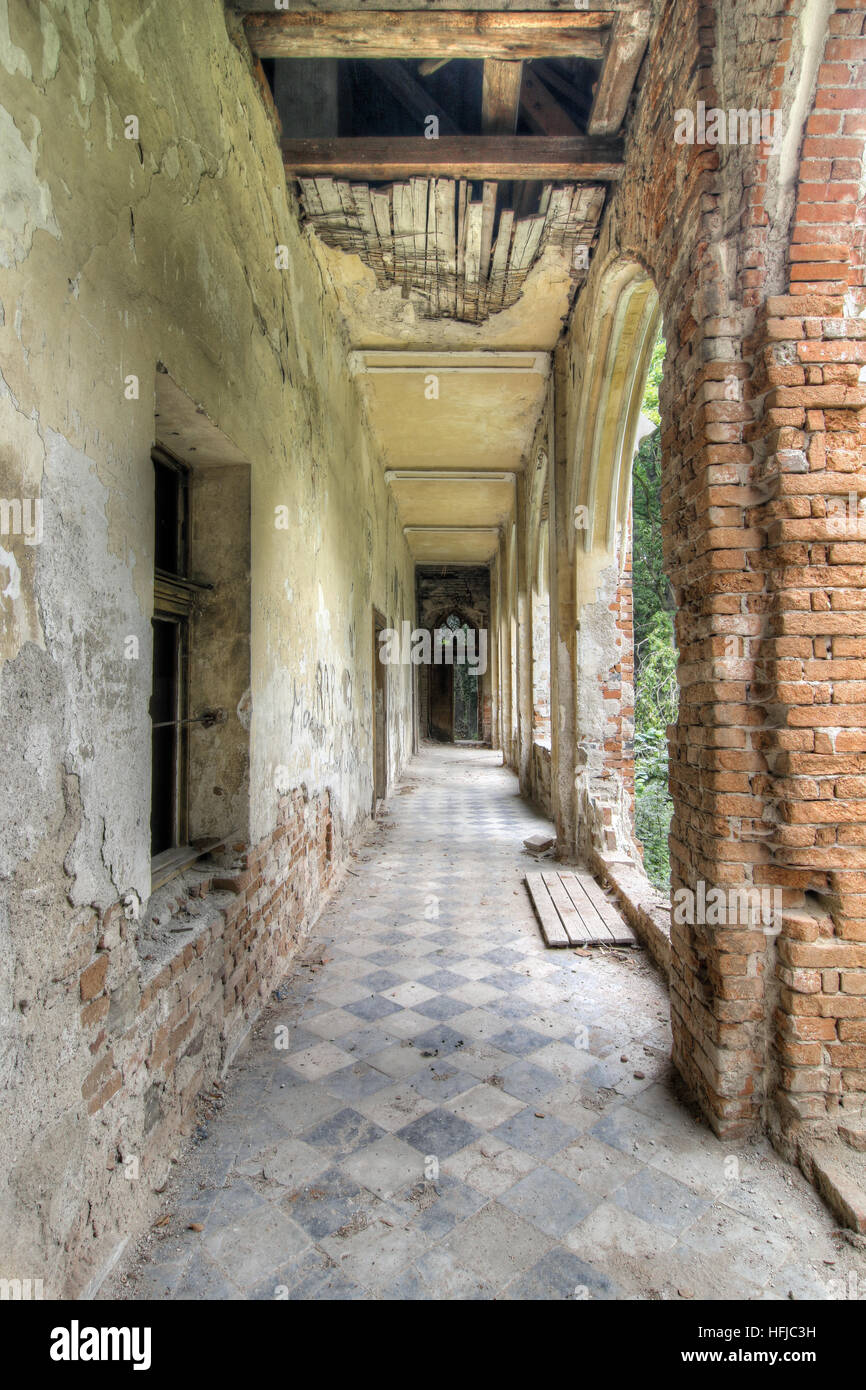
pixel 501 39
pixel 626 46
pixel 505 35
pixel 476 157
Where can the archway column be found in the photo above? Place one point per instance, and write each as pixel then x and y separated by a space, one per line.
pixel 494 648
pixel 562 619
pixel 604 771
pixel 524 647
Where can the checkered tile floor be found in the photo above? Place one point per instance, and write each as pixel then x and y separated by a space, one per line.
pixel 460 1113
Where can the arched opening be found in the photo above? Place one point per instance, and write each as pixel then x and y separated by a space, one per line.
pixel 621 340
pixel 541 752
pixel 541 642
pixel 513 675
pixel 655 650
pixel 454 676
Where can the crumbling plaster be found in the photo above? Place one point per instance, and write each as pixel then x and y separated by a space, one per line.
pixel 167 247
pixel 134 252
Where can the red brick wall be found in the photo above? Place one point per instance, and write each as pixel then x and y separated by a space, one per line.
pixel 753 759
pixel 761 422
pixel 809 350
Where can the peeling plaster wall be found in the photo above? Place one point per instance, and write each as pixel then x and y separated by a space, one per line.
pixel 117 254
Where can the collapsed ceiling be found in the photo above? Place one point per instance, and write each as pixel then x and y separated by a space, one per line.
pixel 452 168
pixel 429 237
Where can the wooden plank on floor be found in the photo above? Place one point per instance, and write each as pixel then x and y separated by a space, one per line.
pixel 601 932
pixel 606 909
pixel 552 930
pixel 578 933
pixel 619 929
pixel 593 926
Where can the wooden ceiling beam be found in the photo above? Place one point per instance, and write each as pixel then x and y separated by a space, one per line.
pixel 626 47
pixel 500 96
pixel 506 35
pixel 553 79
pixel 411 94
pixel 542 111
pixel 431 65
pixel 478 157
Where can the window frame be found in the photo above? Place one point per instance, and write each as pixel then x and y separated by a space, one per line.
pixel 173 598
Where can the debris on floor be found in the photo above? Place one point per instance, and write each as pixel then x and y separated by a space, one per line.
pixel 538 844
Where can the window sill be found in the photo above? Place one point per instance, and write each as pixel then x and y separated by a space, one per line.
pixel 172 862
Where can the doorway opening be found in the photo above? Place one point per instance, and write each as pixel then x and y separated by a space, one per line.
pixel 454 694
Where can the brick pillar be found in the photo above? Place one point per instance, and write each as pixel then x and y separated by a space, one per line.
pixel 811 348
pixel 713 555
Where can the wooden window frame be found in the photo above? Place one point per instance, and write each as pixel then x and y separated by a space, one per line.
pixel 173 597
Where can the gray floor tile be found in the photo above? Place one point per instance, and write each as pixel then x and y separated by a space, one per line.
pixel 560 1174
pixel 550 1201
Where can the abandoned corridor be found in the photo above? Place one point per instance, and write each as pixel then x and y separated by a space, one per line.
pixel 437 1107
pixel 280 375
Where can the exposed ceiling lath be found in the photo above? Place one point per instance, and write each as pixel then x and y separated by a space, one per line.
pixel 427 236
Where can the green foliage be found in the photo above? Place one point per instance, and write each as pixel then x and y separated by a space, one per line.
pixel 653 809
pixel 656 693
pixel 655 708
pixel 650 405
pixel 655 649
pixel 651 590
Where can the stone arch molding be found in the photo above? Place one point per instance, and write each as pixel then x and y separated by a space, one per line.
pixel 625 321
pixel 536 527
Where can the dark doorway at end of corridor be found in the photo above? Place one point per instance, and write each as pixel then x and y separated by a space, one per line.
pixel 454 692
